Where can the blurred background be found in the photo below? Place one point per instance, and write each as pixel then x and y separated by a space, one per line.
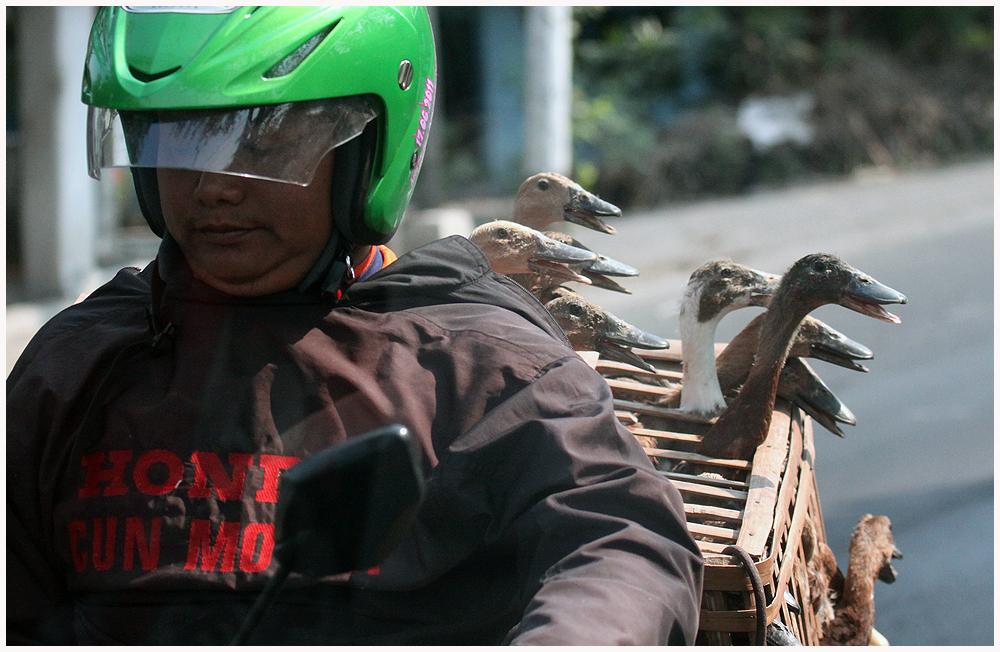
pixel 756 133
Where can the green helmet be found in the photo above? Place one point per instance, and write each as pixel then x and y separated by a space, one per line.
pixel 163 81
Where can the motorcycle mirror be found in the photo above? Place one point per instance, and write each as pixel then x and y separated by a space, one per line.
pixel 343 509
pixel 347 507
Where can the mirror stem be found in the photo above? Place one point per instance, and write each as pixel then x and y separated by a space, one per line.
pixel 252 621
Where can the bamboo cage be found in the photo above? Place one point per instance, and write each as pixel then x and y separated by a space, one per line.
pixel 761 506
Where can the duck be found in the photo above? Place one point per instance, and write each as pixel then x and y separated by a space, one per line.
pixel 824 579
pixel 592 328
pixel 713 291
pixel 719 287
pixel 798 383
pixel 514 248
pixel 871 552
pixel 548 197
pixel 812 281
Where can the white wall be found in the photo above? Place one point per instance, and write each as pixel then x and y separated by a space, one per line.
pixel 548 143
pixel 59 200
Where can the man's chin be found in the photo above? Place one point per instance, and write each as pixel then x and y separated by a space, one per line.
pixel 239 283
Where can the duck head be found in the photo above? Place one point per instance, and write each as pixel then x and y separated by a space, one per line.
pixel 720 286
pixel 592 328
pixel 549 197
pixel 819 278
pixel 516 249
pixel 873 536
pixel 817 340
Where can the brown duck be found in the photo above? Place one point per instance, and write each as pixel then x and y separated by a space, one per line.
pixel 813 281
pixel 516 249
pixel 592 328
pixel 871 553
pixel 547 198
pixel 798 382
pixel 713 291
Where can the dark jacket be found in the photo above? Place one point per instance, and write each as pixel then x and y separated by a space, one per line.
pixel 144 449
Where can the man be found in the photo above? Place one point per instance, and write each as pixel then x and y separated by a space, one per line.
pixel 273 149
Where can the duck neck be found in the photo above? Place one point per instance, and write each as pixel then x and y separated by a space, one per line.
pixel 735 361
pixel 527 213
pixel 772 351
pixel 701 392
pixel 744 424
pixel 859 585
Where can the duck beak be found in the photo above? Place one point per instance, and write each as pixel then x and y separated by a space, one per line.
pixel 586 209
pixel 553 258
pixel 867 296
pixel 619 338
pixel 617 353
pixel 887 573
pixel 836 348
pixel 834 357
pixel 603 282
pixel 815 398
pixel 554 251
pixel 599 270
pixel 611 267
pixel 625 334
pixel 824 421
pixel 764 287
pixel 793 604
pixel 825 408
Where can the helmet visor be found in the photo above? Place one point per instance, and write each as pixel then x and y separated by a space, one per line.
pixel 278 142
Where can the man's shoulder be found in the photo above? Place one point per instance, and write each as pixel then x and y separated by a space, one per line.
pixel 451 278
pixel 114 311
pixel 127 292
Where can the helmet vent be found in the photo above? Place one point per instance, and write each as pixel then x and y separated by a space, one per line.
pixel 148 77
pixel 405 74
pixel 298 55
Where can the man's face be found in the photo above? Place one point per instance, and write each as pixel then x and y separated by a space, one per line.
pixel 247 237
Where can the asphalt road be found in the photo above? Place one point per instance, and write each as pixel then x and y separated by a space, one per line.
pixel 922 452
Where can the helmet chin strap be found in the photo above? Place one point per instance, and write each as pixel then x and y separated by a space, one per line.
pixel 352 163
pixel 333 271
pixel 148 193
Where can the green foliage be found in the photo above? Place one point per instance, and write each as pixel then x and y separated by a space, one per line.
pixel 657 92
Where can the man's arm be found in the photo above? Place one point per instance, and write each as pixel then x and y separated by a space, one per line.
pixel 607 556
pixel 38 609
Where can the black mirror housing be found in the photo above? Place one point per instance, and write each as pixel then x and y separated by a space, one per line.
pixel 347 507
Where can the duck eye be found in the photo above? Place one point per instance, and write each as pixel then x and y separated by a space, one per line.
pixel 819 267
pixel 575 310
pixel 543 184
pixel 726 272
pixel 503 232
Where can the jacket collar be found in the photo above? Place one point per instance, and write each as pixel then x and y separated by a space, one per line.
pixel 449 270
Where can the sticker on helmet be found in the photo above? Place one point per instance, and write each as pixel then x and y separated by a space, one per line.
pixel 426 114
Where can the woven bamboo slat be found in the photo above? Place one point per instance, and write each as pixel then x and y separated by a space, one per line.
pixel 760 505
